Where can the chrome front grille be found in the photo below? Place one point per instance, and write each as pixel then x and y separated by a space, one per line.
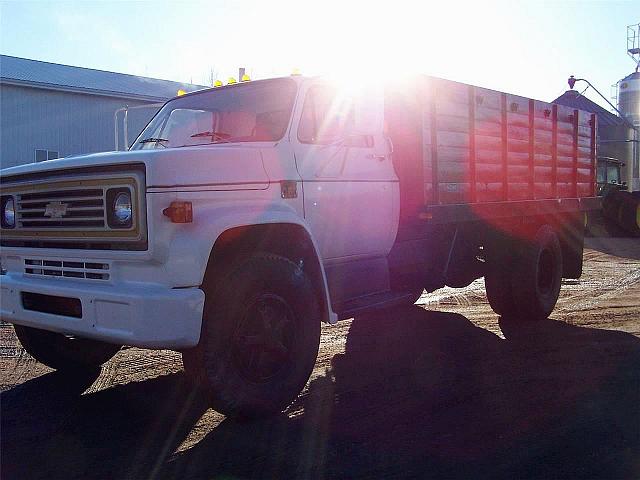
pixel 91 270
pixel 72 208
pixel 67 208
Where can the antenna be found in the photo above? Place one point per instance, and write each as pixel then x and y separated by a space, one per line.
pixel 633 43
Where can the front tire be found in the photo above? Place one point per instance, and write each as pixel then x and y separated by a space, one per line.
pixel 260 337
pixel 63 353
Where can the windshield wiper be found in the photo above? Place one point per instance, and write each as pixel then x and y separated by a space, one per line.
pixel 215 136
pixel 154 140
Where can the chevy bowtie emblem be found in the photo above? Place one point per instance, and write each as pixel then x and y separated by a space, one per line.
pixel 55 209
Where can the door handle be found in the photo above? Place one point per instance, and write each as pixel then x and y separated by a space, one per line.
pixel 382 157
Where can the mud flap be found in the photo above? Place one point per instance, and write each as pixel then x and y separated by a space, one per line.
pixel 571 236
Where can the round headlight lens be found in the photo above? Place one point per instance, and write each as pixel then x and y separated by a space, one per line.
pixel 122 209
pixel 9 213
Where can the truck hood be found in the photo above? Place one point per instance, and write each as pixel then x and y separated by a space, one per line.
pixel 224 165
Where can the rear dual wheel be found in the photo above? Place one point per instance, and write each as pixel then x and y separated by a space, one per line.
pixel 260 337
pixel 498 276
pixel 523 280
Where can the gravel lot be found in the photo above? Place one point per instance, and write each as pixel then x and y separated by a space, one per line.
pixel 441 389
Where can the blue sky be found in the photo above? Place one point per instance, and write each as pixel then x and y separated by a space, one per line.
pixel 523 47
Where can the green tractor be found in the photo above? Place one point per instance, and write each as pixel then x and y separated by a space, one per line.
pixel 620 208
pixel 609 175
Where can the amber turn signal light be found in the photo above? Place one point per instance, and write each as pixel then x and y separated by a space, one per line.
pixel 179 212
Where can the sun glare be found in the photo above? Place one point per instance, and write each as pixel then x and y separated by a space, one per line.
pixel 357 41
pixel 387 39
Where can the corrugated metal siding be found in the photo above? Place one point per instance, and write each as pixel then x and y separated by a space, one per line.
pixel 70 123
pixel 35 72
pixel 619 148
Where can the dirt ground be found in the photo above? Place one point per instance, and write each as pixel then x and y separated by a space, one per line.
pixel 444 389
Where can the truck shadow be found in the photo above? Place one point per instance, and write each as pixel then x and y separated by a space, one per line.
pixel 615 246
pixel 415 394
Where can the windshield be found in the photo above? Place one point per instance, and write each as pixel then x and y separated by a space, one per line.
pixel 613 174
pixel 251 112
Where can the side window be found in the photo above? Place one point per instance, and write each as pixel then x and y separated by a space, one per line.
pixel 326 116
pixel 41 155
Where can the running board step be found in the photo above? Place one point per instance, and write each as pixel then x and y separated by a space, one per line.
pixel 375 301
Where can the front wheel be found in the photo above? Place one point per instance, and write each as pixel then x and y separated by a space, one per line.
pixel 64 353
pixel 260 337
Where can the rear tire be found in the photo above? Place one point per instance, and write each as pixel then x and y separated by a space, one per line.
pixel 63 353
pixel 537 275
pixel 497 278
pixel 260 338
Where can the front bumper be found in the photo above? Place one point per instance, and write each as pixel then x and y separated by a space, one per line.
pixel 128 313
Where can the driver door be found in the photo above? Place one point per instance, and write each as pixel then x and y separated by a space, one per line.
pixel 350 187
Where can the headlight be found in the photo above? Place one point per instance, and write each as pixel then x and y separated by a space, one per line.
pixel 120 214
pixel 122 210
pixel 8 212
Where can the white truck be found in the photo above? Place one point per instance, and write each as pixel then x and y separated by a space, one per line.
pixel 244 216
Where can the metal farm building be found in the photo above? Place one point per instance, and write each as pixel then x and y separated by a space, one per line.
pixel 615 137
pixel 49 110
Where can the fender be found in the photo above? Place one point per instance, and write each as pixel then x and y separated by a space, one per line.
pixel 185 249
